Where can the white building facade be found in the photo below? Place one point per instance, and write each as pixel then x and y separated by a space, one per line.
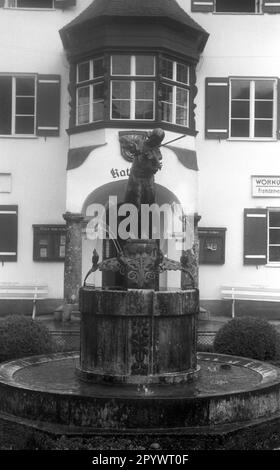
pixel 73 80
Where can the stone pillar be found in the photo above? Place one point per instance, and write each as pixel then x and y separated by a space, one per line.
pixel 73 257
pixel 191 258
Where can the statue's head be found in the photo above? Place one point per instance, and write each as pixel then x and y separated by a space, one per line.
pixel 156 137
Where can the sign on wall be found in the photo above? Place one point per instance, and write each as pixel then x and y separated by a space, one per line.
pixel 266 186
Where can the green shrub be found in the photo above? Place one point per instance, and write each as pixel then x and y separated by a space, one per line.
pixel 248 337
pixel 21 336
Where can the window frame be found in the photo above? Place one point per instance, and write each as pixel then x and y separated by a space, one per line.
pixel 271 263
pixel 252 118
pixel 132 100
pixel 14 97
pixel 185 81
pixel 132 78
pixel 89 83
pixel 16 7
pixel 176 85
pixel 258 10
pixel 10 256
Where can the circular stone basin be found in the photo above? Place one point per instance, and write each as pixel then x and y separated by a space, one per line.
pixel 228 389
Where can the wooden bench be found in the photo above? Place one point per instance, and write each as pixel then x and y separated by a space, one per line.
pixel 27 291
pixel 253 292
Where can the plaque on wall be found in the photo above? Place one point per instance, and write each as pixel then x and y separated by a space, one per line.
pixel 211 245
pixel 49 242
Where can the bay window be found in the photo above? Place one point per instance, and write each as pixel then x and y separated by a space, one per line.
pixel 90 91
pixel 174 91
pixel 132 87
pixel 132 99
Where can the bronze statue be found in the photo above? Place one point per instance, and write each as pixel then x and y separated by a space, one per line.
pixel 147 161
pixel 141 261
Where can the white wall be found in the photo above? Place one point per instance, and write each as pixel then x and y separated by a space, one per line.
pixel 30 43
pixel 241 45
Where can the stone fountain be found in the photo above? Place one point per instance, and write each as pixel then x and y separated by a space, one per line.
pixel 139 335
pixel 138 369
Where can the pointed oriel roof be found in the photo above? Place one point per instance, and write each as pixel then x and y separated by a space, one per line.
pixel 135 8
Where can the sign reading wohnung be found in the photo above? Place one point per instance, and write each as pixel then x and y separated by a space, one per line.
pixel 266 186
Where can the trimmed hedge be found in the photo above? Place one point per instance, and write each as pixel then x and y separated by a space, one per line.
pixel 248 337
pixel 21 336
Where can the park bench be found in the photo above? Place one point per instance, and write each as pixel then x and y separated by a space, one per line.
pixel 26 291
pixel 253 292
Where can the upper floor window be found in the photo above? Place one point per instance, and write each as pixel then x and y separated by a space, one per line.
pixel 132 87
pixel 38 4
pixel 174 92
pixel 252 108
pixel 29 105
pixel 17 105
pixel 241 108
pixel 90 91
pixel 236 6
pixel 132 95
pixel 47 4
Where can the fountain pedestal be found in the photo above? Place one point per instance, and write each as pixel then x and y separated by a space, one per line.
pixel 138 336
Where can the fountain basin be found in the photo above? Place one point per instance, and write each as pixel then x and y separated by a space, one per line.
pixel 138 336
pixel 228 390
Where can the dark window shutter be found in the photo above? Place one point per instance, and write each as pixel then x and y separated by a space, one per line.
pixel 203 5
pixel 217 108
pixel 255 236
pixel 271 6
pixel 278 109
pixel 48 105
pixel 63 4
pixel 8 233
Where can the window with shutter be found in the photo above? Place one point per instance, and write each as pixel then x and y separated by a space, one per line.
pixel 253 108
pixel 19 115
pixel 48 105
pixel 217 108
pixel 241 108
pixel 8 233
pixel 37 4
pixel 235 6
pixel 202 5
pixel 273 236
pixel 63 4
pixel 255 236
pixel 30 4
pixel 271 6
